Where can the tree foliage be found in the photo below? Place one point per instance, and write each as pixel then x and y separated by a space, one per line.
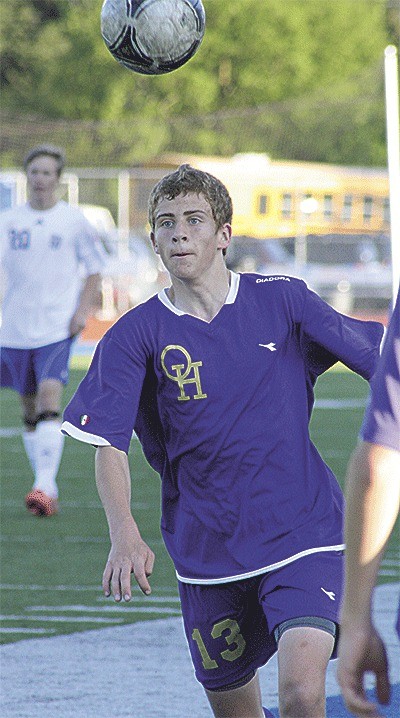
pixel 296 79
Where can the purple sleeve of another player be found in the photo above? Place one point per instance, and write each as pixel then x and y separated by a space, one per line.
pixel 382 418
pixel 103 410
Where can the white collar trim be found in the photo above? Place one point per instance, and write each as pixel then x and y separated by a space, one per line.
pixel 230 299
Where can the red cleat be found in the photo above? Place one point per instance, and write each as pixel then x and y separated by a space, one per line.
pixel 39 504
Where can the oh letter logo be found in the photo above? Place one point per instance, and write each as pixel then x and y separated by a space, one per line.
pixel 183 373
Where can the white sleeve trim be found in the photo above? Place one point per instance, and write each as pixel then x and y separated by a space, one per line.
pixel 71 430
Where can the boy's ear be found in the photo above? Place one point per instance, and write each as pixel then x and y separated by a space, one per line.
pixel 153 241
pixel 225 236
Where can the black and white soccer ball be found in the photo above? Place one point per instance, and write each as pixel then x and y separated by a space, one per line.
pixel 152 36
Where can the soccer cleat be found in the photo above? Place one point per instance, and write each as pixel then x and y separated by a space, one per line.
pixel 267 713
pixel 39 504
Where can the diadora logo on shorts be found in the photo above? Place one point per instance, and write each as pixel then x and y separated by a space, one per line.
pixel 330 594
pixel 186 373
pixel 272 279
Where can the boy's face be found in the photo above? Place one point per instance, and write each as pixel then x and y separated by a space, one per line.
pixel 186 237
pixel 43 179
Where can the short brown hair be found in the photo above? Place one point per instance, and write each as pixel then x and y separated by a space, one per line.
pixel 49 151
pixel 188 179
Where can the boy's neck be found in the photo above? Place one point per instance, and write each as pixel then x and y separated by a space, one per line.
pixel 42 205
pixel 201 298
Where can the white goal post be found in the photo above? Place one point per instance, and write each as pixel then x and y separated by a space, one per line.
pixel 393 152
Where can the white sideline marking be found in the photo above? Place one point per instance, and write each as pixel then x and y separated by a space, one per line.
pixel 50 589
pixel 67 539
pixel 36 587
pixel 28 630
pixel 340 403
pixel 127 608
pixel 6 432
pixel 151 599
pixel 14 503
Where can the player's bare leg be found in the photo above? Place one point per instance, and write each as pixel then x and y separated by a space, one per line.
pixel 28 402
pixel 49 396
pixel 303 656
pixel 244 702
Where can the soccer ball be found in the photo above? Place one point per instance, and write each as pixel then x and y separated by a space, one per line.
pixel 152 36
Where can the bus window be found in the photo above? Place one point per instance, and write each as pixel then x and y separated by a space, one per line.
pixel 287 205
pixel 328 206
pixel 262 204
pixel 367 210
pixel 347 207
pixel 386 209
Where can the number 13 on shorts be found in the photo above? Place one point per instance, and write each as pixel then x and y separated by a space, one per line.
pixel 231 632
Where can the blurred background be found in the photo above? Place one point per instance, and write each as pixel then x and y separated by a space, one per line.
pixel 284 102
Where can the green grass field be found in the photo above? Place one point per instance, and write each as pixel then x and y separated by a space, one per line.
pixel 51 568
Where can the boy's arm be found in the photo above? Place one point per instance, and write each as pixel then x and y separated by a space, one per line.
pixel 89 300
pixel 373 504
pixel 373 501
pixel 129 553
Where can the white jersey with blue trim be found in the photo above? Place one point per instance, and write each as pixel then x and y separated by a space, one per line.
pixel 45 256
pixel 222 410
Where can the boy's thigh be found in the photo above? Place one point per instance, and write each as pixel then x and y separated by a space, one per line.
pixel 303 656
pixel 226 631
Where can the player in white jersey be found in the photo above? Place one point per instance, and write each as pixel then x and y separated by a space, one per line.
pixel 51 259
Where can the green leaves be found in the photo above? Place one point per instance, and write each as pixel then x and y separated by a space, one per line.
pixel 295 79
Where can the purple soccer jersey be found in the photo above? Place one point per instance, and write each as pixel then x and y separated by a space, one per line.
pixel 382 418
pixel 222 411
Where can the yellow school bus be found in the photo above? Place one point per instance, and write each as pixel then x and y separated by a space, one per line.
pixel 278 198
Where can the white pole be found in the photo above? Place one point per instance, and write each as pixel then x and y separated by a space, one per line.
pixel 393 151
pixel 72 181
pixel 21 188
pixel 123 214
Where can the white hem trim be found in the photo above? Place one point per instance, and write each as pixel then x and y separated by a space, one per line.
pixel 71 430
pixel 259 571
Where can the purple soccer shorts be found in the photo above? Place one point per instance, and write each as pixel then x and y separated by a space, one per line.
pixel 24 369
pixel 233 628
